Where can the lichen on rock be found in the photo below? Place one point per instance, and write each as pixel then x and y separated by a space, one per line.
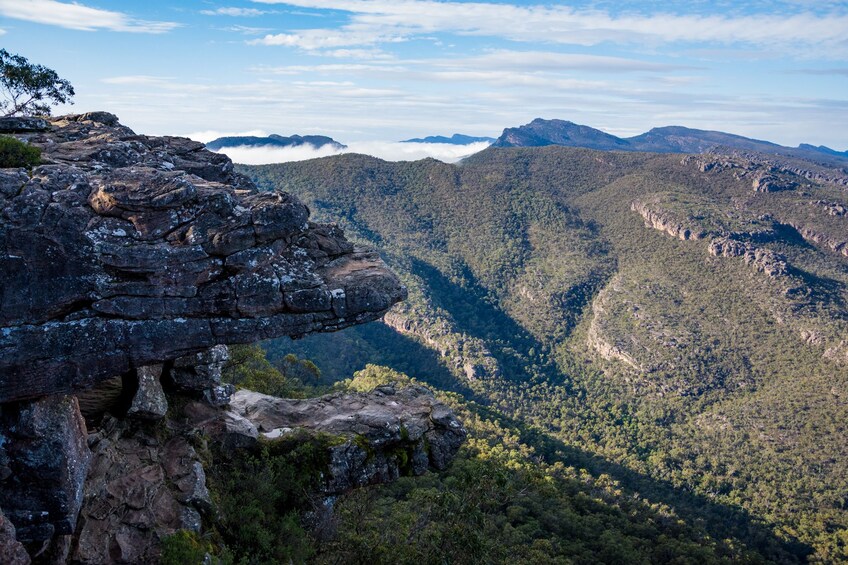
pixel 124 250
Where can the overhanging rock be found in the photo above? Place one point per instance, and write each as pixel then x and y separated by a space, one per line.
pixel 124 250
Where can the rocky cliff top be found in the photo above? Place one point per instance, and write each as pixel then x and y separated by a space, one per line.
pixel 121 250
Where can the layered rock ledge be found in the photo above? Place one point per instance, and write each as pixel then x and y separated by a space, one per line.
pixel 127 263
pixel 372 437
pixel 125 250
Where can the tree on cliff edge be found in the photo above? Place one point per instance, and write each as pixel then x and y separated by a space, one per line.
pixel 28 89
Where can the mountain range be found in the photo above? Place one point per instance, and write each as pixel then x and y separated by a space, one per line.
pixel 274 140
pixel 669 139
pixel 673 325
pixel 629 356
pixel 455 139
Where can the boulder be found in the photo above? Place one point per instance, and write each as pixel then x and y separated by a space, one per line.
pixel 201 371
pixel 19 124
pixel 219 395
pixel 149 402
pixel 12 552
pixel 139 489
pixel 44 459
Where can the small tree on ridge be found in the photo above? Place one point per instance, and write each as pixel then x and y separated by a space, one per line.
pixel 28 89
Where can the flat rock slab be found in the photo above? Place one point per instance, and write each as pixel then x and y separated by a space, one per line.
pixel 375 437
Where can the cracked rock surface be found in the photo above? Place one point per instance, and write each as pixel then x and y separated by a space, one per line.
pixel 377 436
pixel 125 250
pixel 139 489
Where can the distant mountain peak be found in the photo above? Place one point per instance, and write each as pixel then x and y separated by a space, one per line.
pixel 823 149
pixel 455 139
pixel 274 140
pixel 541 132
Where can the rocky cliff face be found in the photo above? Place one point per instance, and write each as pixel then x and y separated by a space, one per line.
pixel 126 263
pixel 126 250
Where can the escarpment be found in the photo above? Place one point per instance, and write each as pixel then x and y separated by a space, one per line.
pixel 127 264
pixel 125 250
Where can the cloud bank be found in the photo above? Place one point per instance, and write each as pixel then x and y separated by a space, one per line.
pixel 79 17
pixel 380 21
pixel 386 150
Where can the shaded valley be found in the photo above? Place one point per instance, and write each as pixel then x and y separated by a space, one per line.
pixel 677 322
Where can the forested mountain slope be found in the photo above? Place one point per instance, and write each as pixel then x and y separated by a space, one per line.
pixel 676 322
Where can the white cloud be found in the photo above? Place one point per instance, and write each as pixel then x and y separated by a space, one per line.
pixel 248 155
pixel 387 150
pixel 246 30
pixel 312 39
pixel 371 54
pixel 144 80
pixel 552 61
pixel 79 17
pixel 396 151
pixel 324 69
pixel 235 12
pixel 372 20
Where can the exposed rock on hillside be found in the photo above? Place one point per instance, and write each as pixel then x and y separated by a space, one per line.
pixel 126 262
pixel 834 242
pixel 125 250
pixel 686 216
pixel 627 327
pixel 764 260
pixel 765 182
pixel 832 208
pixel 602 343
pixel 139 490
pixel 465 354
pixel 664 221
pixel 376 436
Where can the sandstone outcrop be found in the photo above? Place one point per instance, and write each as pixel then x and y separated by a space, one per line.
pixel 43 463
pixel 667 222
pixel 376 436
pixel 764 260
pixel 124 250
pixel 12 552
pixel 140 488
pixel 465 355
pixel 832 208
pixel 764 182
pixel 837 243
pixel 127 262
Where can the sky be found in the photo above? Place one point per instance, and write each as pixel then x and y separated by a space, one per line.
pixel 372 72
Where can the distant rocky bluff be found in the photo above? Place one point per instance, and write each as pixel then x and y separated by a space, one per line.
pixel 127 263
pixel 274 140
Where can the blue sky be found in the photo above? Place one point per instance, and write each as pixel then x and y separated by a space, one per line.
pixel 372 70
